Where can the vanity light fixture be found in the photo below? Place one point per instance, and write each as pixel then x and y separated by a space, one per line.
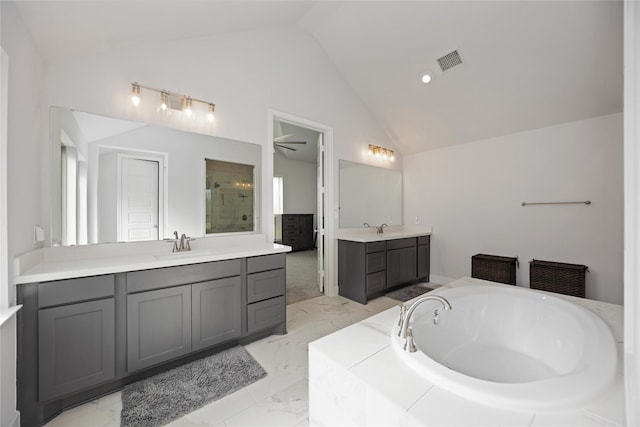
pixel 381 152
pixel 185 101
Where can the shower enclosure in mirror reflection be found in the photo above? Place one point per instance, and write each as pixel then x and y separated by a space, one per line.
pixel 369 194
pixel 116 180
pixel 229 197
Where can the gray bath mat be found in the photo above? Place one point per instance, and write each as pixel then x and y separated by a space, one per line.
pixel 409 292
pixel 169 395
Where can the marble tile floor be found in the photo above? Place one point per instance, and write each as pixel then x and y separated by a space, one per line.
pixel 281 398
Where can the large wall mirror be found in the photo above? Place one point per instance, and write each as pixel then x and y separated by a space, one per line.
pixel 115 180
pixel 369 194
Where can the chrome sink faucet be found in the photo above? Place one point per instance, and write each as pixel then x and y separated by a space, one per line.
pixel 404 331
pixel 379 228
pixel 184 243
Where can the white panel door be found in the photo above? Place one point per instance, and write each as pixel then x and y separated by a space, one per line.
pixel 138 200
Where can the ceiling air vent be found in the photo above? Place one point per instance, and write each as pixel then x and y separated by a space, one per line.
pixel 450 60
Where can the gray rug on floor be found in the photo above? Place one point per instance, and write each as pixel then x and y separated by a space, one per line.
pixel 164 397
pixel 409 292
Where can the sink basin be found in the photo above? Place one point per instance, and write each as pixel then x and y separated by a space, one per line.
pixel 183 255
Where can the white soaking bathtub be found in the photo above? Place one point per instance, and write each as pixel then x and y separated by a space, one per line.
pixel 511 347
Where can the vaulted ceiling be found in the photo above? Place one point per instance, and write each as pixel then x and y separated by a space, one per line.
pixel 526 64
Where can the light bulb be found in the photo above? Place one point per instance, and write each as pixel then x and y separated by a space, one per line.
pixel 135 94
pixel 164 101
pixel 426 78
pixel 210 115
pixel 187 106
pixel 392 157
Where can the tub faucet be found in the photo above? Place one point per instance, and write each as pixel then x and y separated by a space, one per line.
pixel 405 331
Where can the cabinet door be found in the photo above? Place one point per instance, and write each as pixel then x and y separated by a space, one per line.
pixel 76 347
pixel 158 326
pixel 401 265
pixel 217 314
pixel 424 261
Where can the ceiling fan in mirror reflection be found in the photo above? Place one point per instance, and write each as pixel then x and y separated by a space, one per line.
pixel 171 100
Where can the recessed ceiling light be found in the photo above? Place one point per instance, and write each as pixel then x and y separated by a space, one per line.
pixel 426 78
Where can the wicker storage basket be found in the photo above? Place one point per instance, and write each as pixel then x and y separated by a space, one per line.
pixel 562 278
pixel 494 268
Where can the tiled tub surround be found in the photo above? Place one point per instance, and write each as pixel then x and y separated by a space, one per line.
pixel 357 377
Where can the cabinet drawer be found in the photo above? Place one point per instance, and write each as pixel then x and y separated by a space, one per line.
pixel 263 314
pixel 267 284
pixel 146 280
pixel 401 243
pixel 375 246
pixel 424 240
pixel 376 282
pixel 75 290
pixel 375 262
pixel 265 262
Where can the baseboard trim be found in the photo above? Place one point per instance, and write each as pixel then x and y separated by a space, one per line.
pixel 440 280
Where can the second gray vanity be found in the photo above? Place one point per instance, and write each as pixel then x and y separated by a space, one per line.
pixel 370 265
pixel 83 337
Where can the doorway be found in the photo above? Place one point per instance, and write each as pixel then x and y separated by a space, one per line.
pixel 300 207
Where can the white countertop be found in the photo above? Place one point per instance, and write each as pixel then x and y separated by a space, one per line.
pixel 57 263
pixel 365 235
pixel 357 378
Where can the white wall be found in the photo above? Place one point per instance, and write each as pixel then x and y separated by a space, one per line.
pixel 471 194
pixel 299 185
pixel 24 172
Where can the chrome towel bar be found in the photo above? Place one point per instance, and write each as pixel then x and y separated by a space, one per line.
pixel 586 202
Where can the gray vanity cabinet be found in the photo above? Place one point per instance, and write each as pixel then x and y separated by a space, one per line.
pixel 84 337
pixel 369 269
pixel 76 347
pixel 216 311
pixel 158 326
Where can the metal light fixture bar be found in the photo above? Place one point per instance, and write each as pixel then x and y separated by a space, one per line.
pixel 165 99
pixel 381 152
